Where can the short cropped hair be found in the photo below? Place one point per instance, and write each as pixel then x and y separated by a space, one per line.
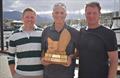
pixel 59 4
pixel 93 4
pixel 29 9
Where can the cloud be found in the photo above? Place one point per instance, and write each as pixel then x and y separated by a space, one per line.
pixel 112 5
pixel 45 6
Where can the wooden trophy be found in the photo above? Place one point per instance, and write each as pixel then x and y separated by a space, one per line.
pixel 56 53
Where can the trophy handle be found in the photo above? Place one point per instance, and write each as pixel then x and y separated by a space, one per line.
pixel 64 40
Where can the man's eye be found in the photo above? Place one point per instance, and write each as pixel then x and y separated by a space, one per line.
pixel 62 13
pixel 31 17
pixel 56 12
pixel 88 13
pixel 26 17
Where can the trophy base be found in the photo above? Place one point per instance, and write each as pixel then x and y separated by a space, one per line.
pixel 56 58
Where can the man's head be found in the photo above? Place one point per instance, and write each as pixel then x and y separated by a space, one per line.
pixel 59 13
pixel 29 17
pixel 92 13
pixel 93 4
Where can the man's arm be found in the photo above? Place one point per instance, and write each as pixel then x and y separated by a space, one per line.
pixel 113 58
pixel 12 69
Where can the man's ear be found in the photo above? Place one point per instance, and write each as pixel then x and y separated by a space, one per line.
pixel 100 15
pixel 22 18
pixel 65 15
pixel 52 14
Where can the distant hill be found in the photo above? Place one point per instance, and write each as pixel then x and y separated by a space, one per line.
pixel 16 15
pixel 75 16
pixel 42 18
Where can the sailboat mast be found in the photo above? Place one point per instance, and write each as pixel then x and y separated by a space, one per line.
pixel 119 8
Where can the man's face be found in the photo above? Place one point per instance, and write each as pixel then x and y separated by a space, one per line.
pixel 29 18
pixel 59 14
pixel 92 15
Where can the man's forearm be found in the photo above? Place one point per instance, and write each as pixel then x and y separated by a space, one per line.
pixel 113 61
pixel 112 70
pixel 12 69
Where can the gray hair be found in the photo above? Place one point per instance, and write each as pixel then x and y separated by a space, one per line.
pixel 60 4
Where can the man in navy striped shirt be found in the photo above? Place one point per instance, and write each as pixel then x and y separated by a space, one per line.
pixel 25 45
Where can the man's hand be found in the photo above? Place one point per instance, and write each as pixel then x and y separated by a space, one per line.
pixel 44 62
pixel 69 61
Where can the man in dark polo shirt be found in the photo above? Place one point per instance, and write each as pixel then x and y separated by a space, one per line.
pixel 97 47
pixel 53 70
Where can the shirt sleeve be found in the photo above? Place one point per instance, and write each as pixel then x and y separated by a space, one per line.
pixel 44 42
pixel 111 42
pixel 11 50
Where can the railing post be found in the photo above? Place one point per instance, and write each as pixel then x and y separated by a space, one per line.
pixel 1 27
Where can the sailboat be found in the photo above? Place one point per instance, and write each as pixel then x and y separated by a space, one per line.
pixel 116 26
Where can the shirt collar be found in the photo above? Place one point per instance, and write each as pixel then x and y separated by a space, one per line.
pixel 53 26
pixel 21 28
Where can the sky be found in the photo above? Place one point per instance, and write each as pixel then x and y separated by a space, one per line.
pixel 45 6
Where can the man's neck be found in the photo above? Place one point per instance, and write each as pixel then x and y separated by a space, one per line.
pixel 59 27
pixel 28 28
pixel 93 26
